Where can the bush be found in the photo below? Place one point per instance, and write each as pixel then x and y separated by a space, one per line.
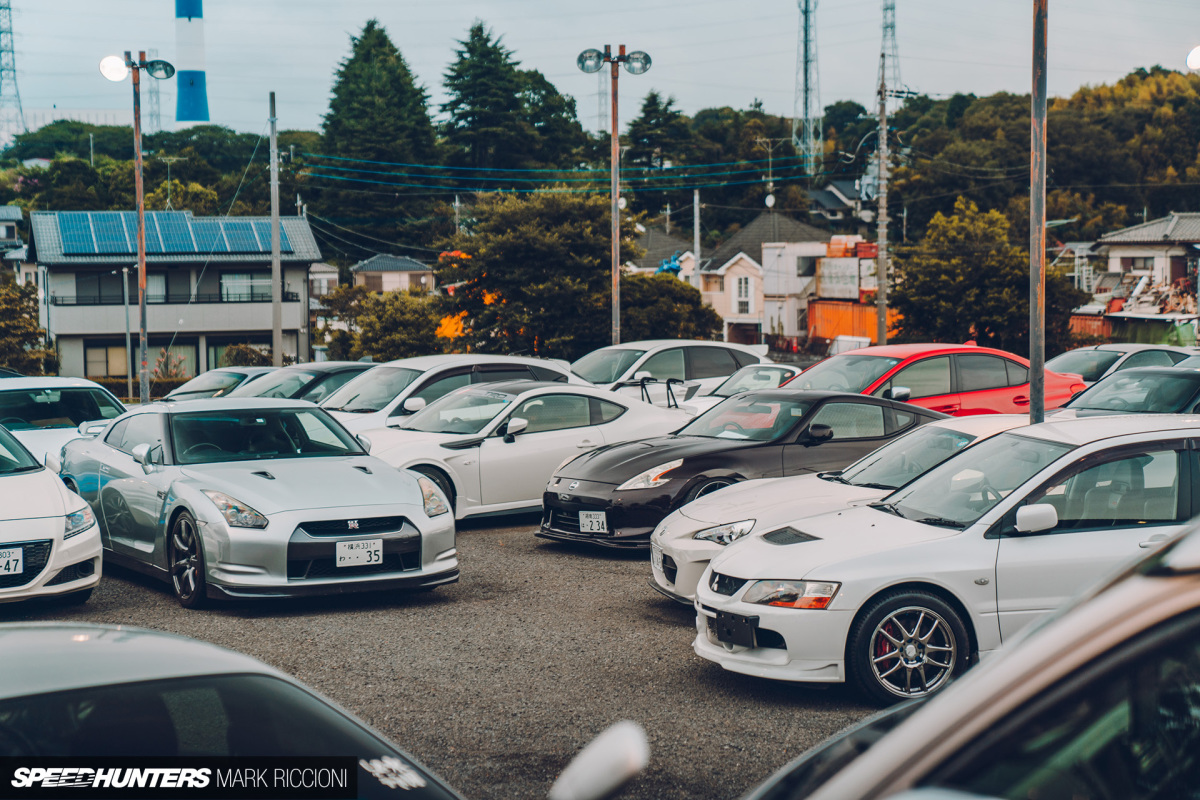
pixel 158 386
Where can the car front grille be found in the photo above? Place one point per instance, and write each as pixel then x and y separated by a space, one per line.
pixel 328 568
pixel 670 569
pixel 353 527
pixel 34 556
pixel 723 584
pixel 763 637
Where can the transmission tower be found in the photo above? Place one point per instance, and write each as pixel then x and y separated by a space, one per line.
pixel 889 52
pixel 154 114
pixel 12 117
pixel 806 113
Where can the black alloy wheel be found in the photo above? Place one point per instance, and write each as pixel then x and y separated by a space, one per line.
pixel 185 553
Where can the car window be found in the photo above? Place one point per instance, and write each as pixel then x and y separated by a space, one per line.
pixel 927 378
pixel 748 379
pixel 547 374
pixel 1147 358
pixel 371 390
pixel 665 365
pixel 1128 731
pixel 851 420
pixel 331 384
pixel 1089 364
pixel 744 359
pixel 1133 392
pixel 496 375
pixel 38 409
pixel 903 418
pixel 555 412
pixel 442 386
pixel 280 384
pixel 603 411
pixel 1017 375
pixel 1136 489
pixel 13 457
pixel 748 416
pixel 976 373
pixel 711 362
pixel 143 429
pixel 116 432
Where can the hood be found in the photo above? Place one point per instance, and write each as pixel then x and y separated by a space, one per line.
pixel 304 483
pixel 619 462
pixel 840 536
pixel 30 495
pixel 774 501
pixel 50 440
pixel 394 441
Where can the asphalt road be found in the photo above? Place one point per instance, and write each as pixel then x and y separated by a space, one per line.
pixel 496 681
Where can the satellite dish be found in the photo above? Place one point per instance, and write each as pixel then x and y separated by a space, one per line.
pixel 113 68
pixel 1193 59
pixel 769 200
pixel 621 203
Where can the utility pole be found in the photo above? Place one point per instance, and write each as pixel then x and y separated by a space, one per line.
pixel 615 195
pixel 140 197
pixel 457 217
pixel 169 160
pixel 806 113
pixel 276 268
pixel 91 149
pixel 1037 220
pixel 696 237
pixel 668 218
pixel 881 269
pixel 769 145
pixel 128 336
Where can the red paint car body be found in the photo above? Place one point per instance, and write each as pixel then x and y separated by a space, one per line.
pixel 961 380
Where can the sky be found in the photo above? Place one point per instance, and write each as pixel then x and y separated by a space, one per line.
pixel 706 53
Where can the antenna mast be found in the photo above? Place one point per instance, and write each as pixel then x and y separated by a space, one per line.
pixel 806 113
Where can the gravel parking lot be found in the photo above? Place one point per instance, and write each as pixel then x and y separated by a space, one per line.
pixel 495 682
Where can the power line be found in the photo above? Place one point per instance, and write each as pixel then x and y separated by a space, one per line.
pixel 508 179
pixel 489 189
pixel 372 238
pixel 514 169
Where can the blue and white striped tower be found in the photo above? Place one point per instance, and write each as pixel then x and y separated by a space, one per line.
pixel 191 92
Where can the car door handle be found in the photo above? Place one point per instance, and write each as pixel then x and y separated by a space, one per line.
pixel 1153 541
pixel 945 409
pixel 1021 400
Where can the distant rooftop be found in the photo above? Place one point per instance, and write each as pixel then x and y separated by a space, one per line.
pixel 11 214
pixel 659 246
pixel 1175 227
pixel 386 263
pixel 766 227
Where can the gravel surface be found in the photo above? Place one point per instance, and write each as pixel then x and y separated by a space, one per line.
pixel 496 681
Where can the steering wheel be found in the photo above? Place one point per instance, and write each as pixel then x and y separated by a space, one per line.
pixel 1118 403
pixel 201 446
pixel 986 490
pixel 731 425
pixel 7 420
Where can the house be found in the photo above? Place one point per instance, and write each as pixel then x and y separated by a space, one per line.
pixel 208 285
pixel 322 279
pixel 662 249
pixel 385 273
pixel 1161 250
pixel 840 201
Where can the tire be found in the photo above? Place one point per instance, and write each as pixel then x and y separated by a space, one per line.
pixel 439 478
pixel 906 644
pixel 76 598
pixel 185 558
pixel 70 484
pixel 708 487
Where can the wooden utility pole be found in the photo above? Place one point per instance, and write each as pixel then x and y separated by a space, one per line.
pixel 881 269
pixel 1037 220
pixel 276 268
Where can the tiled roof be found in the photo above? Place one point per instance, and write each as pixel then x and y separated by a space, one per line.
pixel 1171 228
pixel 827 200
pixel 11 214
pixel 847 188
pixel 764 228
pixel 46 242
pixel 659 246
pixel 386 263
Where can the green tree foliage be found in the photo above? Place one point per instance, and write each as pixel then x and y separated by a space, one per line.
pixel 192 196
pixel 966 281
pixel 22 340
pixel 245 355
pixel 397 325
pixel 658 306
pixel 659 135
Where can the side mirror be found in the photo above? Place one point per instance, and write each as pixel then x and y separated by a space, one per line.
pixel 819 433
pixel 514 426
pixel 412 405
pixel 899 393
pixel 608 762
pixel 1037 517
pixel 364 441
pixel 141 454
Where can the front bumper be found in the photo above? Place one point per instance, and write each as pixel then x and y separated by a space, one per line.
pixel 684 559
pixel 54 566
pixel 631 516
pixel 410 583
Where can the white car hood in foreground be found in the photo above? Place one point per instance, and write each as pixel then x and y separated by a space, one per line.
pixel 841 536
pixel 30 495
pixel 47 440
pixel 776 501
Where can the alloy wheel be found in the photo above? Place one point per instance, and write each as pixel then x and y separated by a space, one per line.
pixel 913 651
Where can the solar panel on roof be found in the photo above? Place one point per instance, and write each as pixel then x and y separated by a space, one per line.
pixel 263 229
pixel 110 233
pixel 76 231
pixel 208 236
pixel 240 236
pixel 176 235
pixel 153 242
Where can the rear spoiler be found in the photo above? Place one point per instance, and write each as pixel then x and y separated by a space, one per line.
pixel 757 349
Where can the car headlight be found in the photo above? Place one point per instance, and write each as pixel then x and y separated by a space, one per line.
pixel 651 477
pixel 792 594
pixel 724 534
pixel 78 521
pixel 434 504
pixel 236 513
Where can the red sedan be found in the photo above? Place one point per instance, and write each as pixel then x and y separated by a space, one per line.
pixel 955 379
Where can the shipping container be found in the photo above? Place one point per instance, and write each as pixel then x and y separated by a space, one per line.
pixel 828 319
pixel 842 246
pixel 844 278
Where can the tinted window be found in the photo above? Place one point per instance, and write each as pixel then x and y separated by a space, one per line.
pixel 1148 358
pixel 606 365
pixel 331 384
pixel 665 365
pixel 440 387
pixel 1089 364
pixel 34 409
pixel 1133 392
pixel 711 362
pixel 206 437
pixel 744 359
pixel 927 378
pixel 851 420
pixel 144 429
pixel 547 374
pixel 116 432
pixel 976 373
pixel 1017 375
pixel 1137 489
pixel 604 411
pixel 214 382
pixel 555 412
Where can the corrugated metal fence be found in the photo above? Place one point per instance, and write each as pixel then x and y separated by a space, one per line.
pixel 830 318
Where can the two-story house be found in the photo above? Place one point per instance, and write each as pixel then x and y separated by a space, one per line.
pixel 385 273
pixel 208 286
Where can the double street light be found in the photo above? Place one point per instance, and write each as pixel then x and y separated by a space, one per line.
pixel 636 63
pixel 115 68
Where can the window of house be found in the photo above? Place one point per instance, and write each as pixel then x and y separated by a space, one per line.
pixel 805 266
pixel 104 362
pixel 373 282
pixel 714 283
pixel 243 287
pixel 1141 262
pixel 743 295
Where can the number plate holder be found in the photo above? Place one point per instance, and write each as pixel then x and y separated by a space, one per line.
pixel 359 553
pixel 593 522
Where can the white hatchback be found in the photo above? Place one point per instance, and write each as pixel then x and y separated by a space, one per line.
pixel 901 595
pixel 49 541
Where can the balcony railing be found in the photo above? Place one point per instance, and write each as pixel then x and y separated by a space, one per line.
pixel 170 299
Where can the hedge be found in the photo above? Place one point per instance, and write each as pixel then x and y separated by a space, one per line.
pixel 158 386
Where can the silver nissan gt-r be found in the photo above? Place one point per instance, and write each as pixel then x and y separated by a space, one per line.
pixel 244 497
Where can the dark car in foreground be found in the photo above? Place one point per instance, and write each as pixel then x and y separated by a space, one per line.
pixel 1141 390
pixel 614 496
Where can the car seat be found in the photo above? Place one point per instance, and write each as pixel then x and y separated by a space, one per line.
pixel 1119 492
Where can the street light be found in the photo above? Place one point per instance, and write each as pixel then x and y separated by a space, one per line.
pixel 636 63
pixel 1193 59
pixel 115 68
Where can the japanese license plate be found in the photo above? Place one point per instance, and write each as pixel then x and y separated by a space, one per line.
pixel 593 522
pixel 355 554
pixel 735 629
pixel 11 562
pixel 656 557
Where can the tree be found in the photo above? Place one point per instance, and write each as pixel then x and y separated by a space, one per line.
pixel 966 281
pixel 662 306
pixel 660 134
pixel 397 325
pixel 22 339
pixel 245 355
pixel 200 200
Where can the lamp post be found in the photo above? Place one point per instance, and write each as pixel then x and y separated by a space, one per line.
pixel 115 68
pixel 636 63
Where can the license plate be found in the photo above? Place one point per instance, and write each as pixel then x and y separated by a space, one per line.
pixel 11 562
pixel 656 557
pixel 355 554
pixel 735 629
pixel 593 522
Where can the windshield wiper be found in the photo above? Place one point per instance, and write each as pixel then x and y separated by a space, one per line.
pixel 833 476
pixel 873 486
pixel 888 507
pixel 941 522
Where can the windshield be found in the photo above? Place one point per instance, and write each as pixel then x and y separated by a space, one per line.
pixel 372 390
pixel 748 379
pixel 13 457
pixel 963 489
pixel 748 417
pixel 843 373
pixel 1091 364
pixel 216 383
pixel 36 409
pixel 1129 392
pixel 898 462
pixel 209 437
pixel 284 384
pixel 606 365
pixel 463 411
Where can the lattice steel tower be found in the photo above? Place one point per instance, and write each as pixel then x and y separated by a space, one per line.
pixel 153 104
pixel 806 112
pixel 889 52
pixel 12 117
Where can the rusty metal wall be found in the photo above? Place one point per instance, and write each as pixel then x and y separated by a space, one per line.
pixel 1090 325
pixel 830 318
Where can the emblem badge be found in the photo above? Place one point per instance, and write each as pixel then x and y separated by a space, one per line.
pixel 352 524
pixel 574 485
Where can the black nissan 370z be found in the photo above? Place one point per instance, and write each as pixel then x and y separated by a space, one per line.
pixel 614 496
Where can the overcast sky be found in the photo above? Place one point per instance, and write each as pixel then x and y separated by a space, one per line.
pixel 705 53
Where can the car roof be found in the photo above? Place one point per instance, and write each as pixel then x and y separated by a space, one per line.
pixel 1129 347
pixel 910 350
pixel 424 363
pixel 41 657
pixel 654 344
pixel 327 366
pixel 982 424
pixel 167 406
pixel 521 387
pixel 1095 429
pixel 11 384
pixel 815 395
pixel 242 370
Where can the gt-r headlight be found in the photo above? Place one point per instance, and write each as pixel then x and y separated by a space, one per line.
pixel 236 513
pixel 434 504
pixel 78 521
pixel 792 594
pixel 651 477
pixel 724 534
